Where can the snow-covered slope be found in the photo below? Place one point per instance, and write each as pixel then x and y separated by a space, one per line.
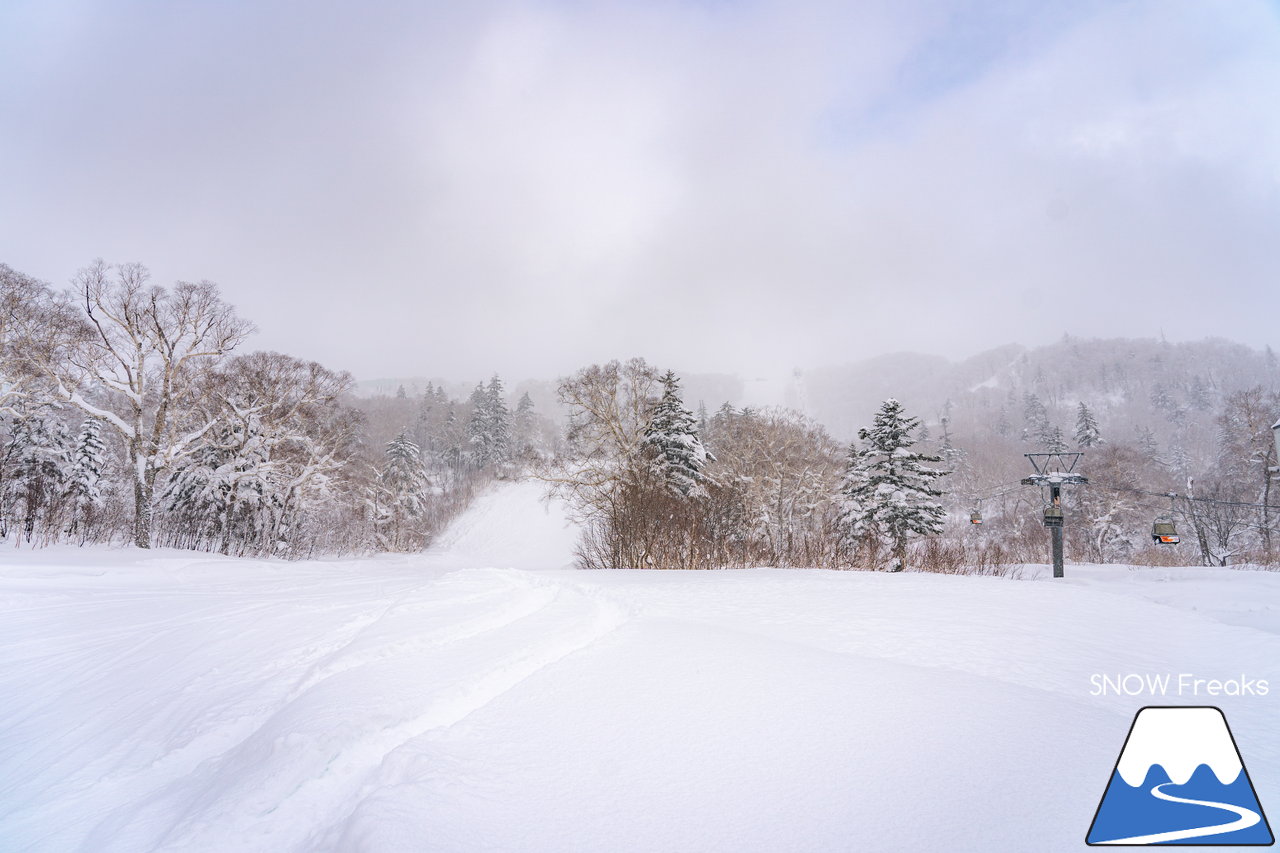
pixel 173 701
pixel 513 525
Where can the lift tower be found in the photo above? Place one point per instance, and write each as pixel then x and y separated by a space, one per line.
pixel 1055 470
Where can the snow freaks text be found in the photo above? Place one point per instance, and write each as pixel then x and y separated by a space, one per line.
pixel 1174 684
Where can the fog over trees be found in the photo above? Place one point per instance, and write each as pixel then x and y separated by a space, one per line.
pixel 134 412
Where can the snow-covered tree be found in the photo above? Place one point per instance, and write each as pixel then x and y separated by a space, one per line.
pixel 1035 419
pixel 1200 396
pixel 524 426
pixel 84 476
pixel 1162 399
pixel 673 442
pixel 489 428
pixel 88 463
pixel 38 454
pixel 1055 441
pixel 403 474
pixel 133 360
pixel 1087 434
pixel 1003 427
pixel 887 493
pixel 1148 444
pixel 405 483
pixel 499 421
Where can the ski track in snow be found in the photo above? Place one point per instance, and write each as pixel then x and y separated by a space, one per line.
pixel 479 696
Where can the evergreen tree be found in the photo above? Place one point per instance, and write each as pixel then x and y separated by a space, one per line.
pixel 452 439
pixel 499 421
pixel 403 474
pixel 1148 444
pixel 1003 427
pixel 1036 419
pixel 40 454
pixel 718 427
pixel 84 480
pixel 951 454
pixel 524 425
pixel 1056 442
pixel 887 492
pixel 1087 434
pixel 489 429
pixel 422 422
pixel 1180 460
pixel 88 462
pixel 1200 396
pixel 405 481
pixel 673 441
pixel 478 427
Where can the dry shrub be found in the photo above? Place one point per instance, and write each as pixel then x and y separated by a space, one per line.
pixel 957 557
pixel 1156 555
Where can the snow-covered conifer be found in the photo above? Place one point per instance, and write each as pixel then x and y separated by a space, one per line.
pixel 1055 441
pixel 403 475
pixel 499 421
pixel 84 475
pixel 1087 434
pixel 1148 444
pixel 489 428
pixel 673 441
pixel 887 490
pixel 1036 420
pixel 524 426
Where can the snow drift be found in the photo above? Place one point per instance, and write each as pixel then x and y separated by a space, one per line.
pixel 479 697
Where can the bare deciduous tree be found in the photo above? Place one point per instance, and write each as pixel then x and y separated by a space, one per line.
pixel 133 362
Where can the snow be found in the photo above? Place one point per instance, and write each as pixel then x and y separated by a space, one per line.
pixel 511 526
pixel 992 381
pixel 481 696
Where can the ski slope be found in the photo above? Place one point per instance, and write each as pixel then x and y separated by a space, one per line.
pixel 482 696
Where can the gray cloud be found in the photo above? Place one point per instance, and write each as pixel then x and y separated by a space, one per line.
pixel 524 187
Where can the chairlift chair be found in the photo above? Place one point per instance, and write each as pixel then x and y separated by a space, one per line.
pixel 1163 532
pixel 975 517
pixel 1053 516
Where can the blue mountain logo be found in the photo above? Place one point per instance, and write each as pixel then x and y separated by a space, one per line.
pixel 1180 780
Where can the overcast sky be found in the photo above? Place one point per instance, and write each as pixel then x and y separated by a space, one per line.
pixel 457 188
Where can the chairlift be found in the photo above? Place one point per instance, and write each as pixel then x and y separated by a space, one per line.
pixel 1163 531
pixel 1053 516
pixel 975 517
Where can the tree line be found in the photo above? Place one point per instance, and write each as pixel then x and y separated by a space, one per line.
pixel 127 412
pixel 656 486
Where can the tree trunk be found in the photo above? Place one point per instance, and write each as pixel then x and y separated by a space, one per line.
pixel 1266 511
pixel 141 513
pixel 144 481
pixel 899 554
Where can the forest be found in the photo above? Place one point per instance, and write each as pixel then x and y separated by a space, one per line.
pixel 131 412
